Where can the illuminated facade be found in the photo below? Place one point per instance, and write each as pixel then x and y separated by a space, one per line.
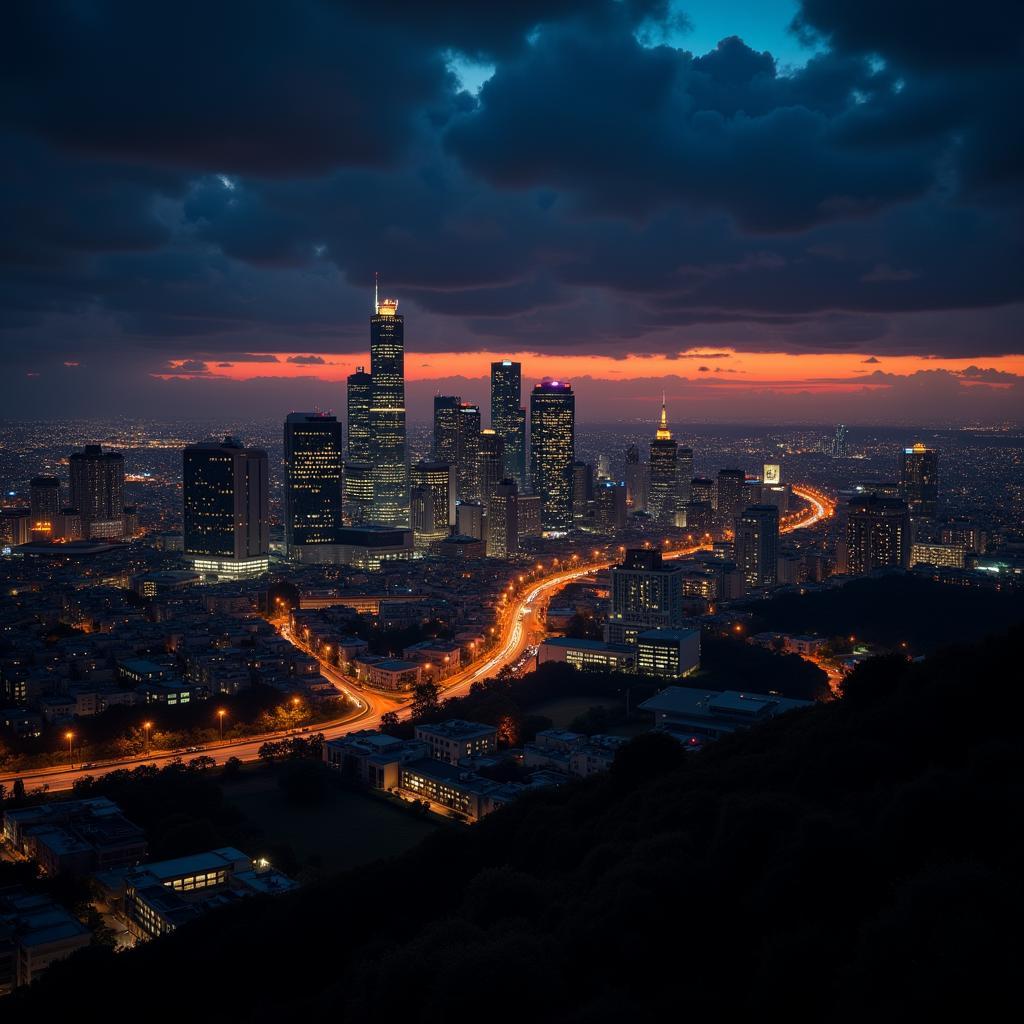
pixel 529 515
pixel 637 480
pixel 662 495
pixel 877 534
pixel 457 442
pixel 491 463
pixel 730 494
pixel 684 465
pixel 357 491
pixel 646 593
pixel 948 556
pixel 97 491
pixel 502 524
pixel 359 394
pixel 440 478
pixel 670 653
pixel 312 485
pixel 44 507
pixel 587 655
pixel 609 507
pixel 757 545
pixel 552 446
pixel 508 418
pixel 919 479
pixel 387 415
pixel 226 528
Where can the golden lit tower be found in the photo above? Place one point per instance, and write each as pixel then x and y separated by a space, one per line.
pixel 663 489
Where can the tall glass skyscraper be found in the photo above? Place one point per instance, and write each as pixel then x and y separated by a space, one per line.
pixel 44 496
pixel 457 442
pixel 508 418
pixel 387 416
pixel 312 485
pixel 552 451
pixel 491 462
pixel 919 479
pixel 97 491
pixel 757 545
pixel 663 493
pixel 226 500
pixel 360 391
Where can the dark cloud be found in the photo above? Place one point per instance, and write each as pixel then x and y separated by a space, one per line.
pixel 871 359
pixel 307 360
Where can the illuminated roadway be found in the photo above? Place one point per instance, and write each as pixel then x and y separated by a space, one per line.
pixel 518 624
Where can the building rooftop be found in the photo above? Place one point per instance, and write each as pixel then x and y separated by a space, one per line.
pixel 458 729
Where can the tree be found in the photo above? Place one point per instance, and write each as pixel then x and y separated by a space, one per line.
pixel 305 783
pixel 18 791
pixel 425 699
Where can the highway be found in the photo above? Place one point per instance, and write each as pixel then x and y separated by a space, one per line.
pixel 519 624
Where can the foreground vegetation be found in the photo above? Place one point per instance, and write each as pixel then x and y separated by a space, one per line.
pixel 854 860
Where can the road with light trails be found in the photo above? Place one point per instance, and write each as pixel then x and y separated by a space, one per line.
pixel 519 624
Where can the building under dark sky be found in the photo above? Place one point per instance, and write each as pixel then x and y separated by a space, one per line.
pixel 552 448
pixel 387 415
pixel 313 481
pixel 508 418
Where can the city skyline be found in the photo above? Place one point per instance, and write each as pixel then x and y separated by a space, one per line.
pixel 846 244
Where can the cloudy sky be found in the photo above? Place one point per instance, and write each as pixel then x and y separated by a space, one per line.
pixel 778 210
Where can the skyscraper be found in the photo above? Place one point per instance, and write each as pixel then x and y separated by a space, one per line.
pixel 97 491
pixel 839 442
pixel 508 418
pixel 646 593
pixel 226 529
pixel 440 478
pixel 552 446
pixel 44 507
pixel 491 462
pixel 357 488
pixel 637 480
pixel 387 415
pixel 502 524
pixel 919 479
pixel 877 534
pixel 684 465
pixel 312 483
pixel 467 467
pixel 360 392
pixel 582 489
pixel 446 429
pixel 662 496
pixel 609 506
pixel 730 494
pixel 757 545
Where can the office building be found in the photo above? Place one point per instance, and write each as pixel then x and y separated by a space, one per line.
pixel 702 489
pixel 730 494
pixel 582 490
pixel 44 507
pixel 552 446
pixel 97 491
pixel 360 392
pixel 587 655
pixel 919 480
pixel 709 714
pixel 440 478
pixel 662 496
pixel 35 932
pixel 502 523
pixel 490 463
pixel 387 415
pixel 357 491
pixel 422 518
pixel 529 515
pixel 646 593
pixel 508 418
pixel 446 429
pixel 604 467
pixel 371 545
pixel 636 480
pixel 467 467
pixel 226 509
pixel 757 545
pixel 456 739
pixel 839 442
pixel 469 519
pixel 312 483
pixel 684 465
pixel 946 556
pixel 670 653
pixel 877 534
pixel 609 506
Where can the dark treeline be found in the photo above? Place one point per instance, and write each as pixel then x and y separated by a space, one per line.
pixel 855 860
pixel 894 610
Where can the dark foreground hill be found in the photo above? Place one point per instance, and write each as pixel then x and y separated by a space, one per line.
pixel 853 861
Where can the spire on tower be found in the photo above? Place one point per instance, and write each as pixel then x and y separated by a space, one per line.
pixel 376 291
pixel 663 433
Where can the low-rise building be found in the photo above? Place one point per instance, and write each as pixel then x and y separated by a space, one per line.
pixel 455 740
pixel 392 674
pixel 587 654
pixel 374 758
pixel 35 932
pixel 670 653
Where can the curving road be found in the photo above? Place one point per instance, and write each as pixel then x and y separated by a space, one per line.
pixel 519 624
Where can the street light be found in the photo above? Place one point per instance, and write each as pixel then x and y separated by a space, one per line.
pixel 146 726
pixel 70 737
pixel 220 715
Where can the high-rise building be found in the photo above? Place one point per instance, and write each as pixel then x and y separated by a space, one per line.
pixel 730 494
pixel 684 465
pixel 508 418
pixel 440 478
pixel 357 492
pixel 467 468
pixel 604 467
pixel 360 395
pixel 582 489
pixel 502 524
pixel 423 505
pixel 877 534
pixel 530 515
pixel 646 593
pixel 757 545
pixel 387 415
pixel 919 479
pixel 609 506
pixel 469 519
pixel 839 442
pixel 446 429
pixel 44 507
pixel 702 489
pixel 491 463
pixel 662 497
pixel 226 526
pixel 552 447
pixel 312 483
pixel 97 491
pixel 637 480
